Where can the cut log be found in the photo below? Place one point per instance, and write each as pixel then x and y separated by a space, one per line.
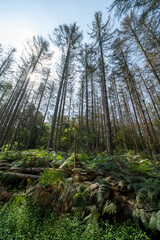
pixel 24 170
pixel 20 175
pixel 4 168
pixel 4 164
pixel 28 170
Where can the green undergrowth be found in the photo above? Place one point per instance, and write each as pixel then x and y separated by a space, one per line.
pixel 19 220
pixel 32 158
pixel 120 186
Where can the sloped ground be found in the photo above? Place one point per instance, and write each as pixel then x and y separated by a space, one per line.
pixel 116 187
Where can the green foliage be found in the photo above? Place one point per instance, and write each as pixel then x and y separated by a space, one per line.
pixel 102 193
pixel 123 231
pixel 10 156
pixel 106 181
pixel 93 217
pixel 33 158
pixel 110 208
pixel 81 197
pixel 51 177
pixel 20 220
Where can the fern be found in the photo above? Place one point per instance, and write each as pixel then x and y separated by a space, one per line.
pixel 109 208
pixel 143 217
pixel 94 215
pixel 153 221
pixel 50 177
pixel 101 194
pixel 81 197
pixel 79 200
pixel 158 220
pixel 141 195
pixel 122 184
pixel 135 214
pixel 152 204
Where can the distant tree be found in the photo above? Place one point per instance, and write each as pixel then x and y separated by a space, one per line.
pixel 147 7
pixel 51 92
pixel 37 52
pixel 42 87
pixel 68 38
pixel 101 36
pixel 131 30
pixel 6 62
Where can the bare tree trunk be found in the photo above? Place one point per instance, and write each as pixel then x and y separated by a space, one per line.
pixel 59 115
pixel 92 94
pixel 130 121
pixel 7 129
pixel 69 124
pixel 40 134
pixel 151 97
pixel 36 114
pixel 120 114
pixel 104 94
pixel 18 128
pixel 145 55
pixel 86 78
pixel 150 121
pixel 61 123
pixel 50 144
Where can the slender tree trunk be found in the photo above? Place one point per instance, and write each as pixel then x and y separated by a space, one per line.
pixel 61 123
pixel 120 115
pixel 152 34
pixel 92 94
pixel 50 144
pixel 36 114
pixel 7 129
pixel 46 111
pixel 69 124
pixel 104 95
pixel 19 128
pixel 151 97
pixel 145 55
pixel 58 120
pixel 150 121
pixel 130 121
pixel 115 124
pixel 86 78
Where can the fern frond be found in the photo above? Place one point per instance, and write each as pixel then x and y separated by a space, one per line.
pixel 143 217
pixel 109 208
pixel 122 183
pixel 151 194
pixel 93 216
pixel 136 186
pixel 153 221
pixel 103 189
pixel 152 204
pixel 135 214
pixel 140 196
pixel 158 220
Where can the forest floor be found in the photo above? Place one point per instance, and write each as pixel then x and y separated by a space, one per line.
pixel 87 197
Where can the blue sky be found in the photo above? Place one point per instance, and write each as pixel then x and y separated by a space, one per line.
pixel 21 19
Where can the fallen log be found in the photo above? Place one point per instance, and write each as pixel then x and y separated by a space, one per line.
pixel 24 170
pixel 4 164
pixel 20 175
pixel 28 170
pixel 4 168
